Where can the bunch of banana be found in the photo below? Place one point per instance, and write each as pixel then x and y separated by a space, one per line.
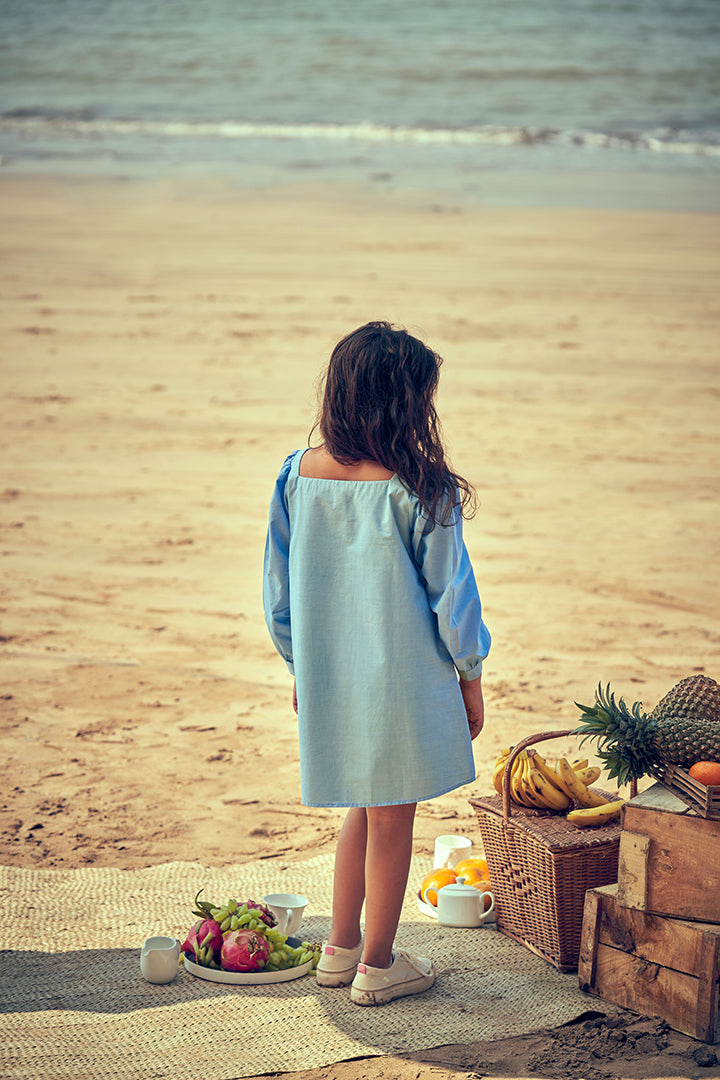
pixel 499 768
pixel 537 785
pixel 591 808
pixel 574 788
pixel 530 782
pixel 541 785
pixel 587 775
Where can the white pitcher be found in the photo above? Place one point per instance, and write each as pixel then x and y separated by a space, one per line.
pixel 159 959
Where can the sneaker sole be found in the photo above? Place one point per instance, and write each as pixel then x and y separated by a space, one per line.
pixel 335 978
pixel 390 993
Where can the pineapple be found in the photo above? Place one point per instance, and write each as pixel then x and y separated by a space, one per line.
pixel 684 727
pixel 697 696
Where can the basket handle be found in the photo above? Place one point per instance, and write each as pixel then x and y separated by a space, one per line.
pixel 511 761
pixel 518 750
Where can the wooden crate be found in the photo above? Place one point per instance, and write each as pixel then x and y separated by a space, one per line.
pixel 704 800
pixel 669 858
pixel 650 964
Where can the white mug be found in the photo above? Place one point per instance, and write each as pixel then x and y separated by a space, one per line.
pixel 159 958
pixel 461 905
pixel 449 850
pixel 288 910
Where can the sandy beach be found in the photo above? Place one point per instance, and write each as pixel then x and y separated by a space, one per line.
pixel 161 346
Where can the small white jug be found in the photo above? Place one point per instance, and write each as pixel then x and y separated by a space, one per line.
pixel 288 910
pixel 159 959
pixel 461 905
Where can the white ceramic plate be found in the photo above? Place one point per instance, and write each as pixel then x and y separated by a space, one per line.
pixel 427 909
pixel 249 978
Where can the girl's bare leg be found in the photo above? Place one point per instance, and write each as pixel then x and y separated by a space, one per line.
pixel 349 879
pixel 387 865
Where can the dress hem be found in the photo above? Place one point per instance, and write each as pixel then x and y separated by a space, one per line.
pixel 391 802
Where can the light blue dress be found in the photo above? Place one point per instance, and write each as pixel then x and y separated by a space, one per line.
pixel 376 617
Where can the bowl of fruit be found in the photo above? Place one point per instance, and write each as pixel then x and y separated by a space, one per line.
pixel 471 871
pixel 239 943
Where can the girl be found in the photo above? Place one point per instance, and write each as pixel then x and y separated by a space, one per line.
pixel 371 601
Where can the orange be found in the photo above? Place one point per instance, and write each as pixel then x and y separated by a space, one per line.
pixel 706 772
pixel 473 863
pixel 433 881
pixel 484 887
pixel 473 876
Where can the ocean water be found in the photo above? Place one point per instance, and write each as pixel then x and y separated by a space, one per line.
pixel 445 93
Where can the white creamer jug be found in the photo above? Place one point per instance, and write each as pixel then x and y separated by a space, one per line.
pixel 159 959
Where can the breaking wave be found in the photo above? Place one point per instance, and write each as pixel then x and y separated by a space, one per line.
pixel 25 123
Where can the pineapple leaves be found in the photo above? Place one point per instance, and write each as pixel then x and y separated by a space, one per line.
pixel 624 736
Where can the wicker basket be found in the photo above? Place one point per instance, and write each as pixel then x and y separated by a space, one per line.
pixel 541 866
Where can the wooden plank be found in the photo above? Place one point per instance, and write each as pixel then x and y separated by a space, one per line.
pixel 653 990
pixel 683 869
pixel 708 1003
pixel 633 857
pixel 658 797
pixel 673 943
pixel 651 964
pixel 592 912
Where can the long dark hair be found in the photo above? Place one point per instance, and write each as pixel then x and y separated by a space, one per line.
pixel 378 403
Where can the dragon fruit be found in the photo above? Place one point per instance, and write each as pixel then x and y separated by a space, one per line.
pixel 261 911
pixel 244 950
pixel 205 932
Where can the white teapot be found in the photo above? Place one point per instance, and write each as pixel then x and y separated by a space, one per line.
pixel 462 905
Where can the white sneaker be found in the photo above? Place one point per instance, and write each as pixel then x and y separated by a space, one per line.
pixel 406 975
pixel 337 966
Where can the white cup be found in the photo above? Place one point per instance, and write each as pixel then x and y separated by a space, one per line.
pixel 461 905
pixel 159 958
pixel 449 850
pixel 288 910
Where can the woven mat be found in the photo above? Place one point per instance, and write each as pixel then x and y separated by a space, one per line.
pixel 76 1006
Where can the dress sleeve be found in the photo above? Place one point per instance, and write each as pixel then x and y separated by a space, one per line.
pixel 276 579
pixel 453 595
